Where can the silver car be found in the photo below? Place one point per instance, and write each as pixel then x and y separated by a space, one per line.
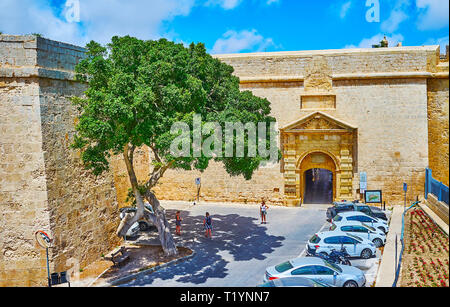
pixel 318 270
pixel 133 231
pixel 362 230
pixel 355 216
pixel 325 242
pixel 298 282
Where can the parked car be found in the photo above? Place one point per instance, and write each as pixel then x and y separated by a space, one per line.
pixel 294 282
pixel 318 270
pixel 133 231
pixel 353 216
pixel 325 242
pixel 143 224
pixel 339 207
pixel 362 230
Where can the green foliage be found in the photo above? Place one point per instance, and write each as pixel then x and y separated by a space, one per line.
pixel 138 89
pixel 130 195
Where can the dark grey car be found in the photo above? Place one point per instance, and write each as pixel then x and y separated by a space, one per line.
pixel 350 206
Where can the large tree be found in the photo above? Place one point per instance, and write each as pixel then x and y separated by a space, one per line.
pixel 137 90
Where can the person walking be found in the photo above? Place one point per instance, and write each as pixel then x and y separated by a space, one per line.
pixel 263 211
pixel 178 223
pixel 207 224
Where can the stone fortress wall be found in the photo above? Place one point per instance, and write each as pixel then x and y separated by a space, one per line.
pixel 43 185
pixel 438 119
pixel 390 95
pixel 387 110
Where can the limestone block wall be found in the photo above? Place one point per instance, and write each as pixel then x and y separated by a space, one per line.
pixel 43 185
pixel 392 132
pixel 383 92
pixel 23 187
pixel 218 186
pixel 438 119
pixel 343 63
pixel 438 207
pixel 83 208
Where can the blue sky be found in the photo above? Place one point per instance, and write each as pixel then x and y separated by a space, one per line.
pixel 229 26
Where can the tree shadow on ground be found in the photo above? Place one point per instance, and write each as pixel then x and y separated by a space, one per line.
pixel 239 236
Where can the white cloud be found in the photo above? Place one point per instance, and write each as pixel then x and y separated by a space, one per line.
pixel 36 18
pixel 232 42
pixel 433 14
pixel 429 14
pixel 395 19
pixel 231 4
pixel 397 16
pixel 100 19
pixel 393 40
pixel 225 4
pixel 140 18
pixel 344 9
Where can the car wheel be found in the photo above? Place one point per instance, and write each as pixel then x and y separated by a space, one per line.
pixel 351 284
pixel 378 242
pixel 366 253
pixel 382 229
pixel 143 226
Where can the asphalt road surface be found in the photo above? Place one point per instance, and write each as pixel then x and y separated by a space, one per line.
pixel 241 248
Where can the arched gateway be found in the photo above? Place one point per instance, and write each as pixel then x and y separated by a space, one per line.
pixel 317 173
pixel 319 158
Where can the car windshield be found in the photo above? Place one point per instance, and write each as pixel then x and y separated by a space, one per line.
pixel 355 237
pixel 337 218
pixel 283 267
pixel 369 227
pixel 314 239
pixel 332 266
pixel 333 227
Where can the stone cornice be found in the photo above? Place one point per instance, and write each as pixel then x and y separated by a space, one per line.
pixel 329 52
pixel 36 72
pixel 356 76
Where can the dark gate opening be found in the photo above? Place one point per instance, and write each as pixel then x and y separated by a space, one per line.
pixel 318 186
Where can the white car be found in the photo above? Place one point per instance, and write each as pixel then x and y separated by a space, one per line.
pixel 362 230
pixel 318 270
pixel 355 216
pixel 133 231
pixel 325 242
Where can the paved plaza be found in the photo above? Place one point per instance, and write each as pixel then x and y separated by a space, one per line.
pixel 241 248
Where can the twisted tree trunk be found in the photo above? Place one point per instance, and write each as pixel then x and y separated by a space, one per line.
pixel 160 221
pixel 158 218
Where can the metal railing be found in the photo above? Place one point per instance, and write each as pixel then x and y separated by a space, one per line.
pixel 435 187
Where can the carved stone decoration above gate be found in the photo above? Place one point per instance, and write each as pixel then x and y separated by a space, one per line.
pixel 318 75
pixel 318 123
